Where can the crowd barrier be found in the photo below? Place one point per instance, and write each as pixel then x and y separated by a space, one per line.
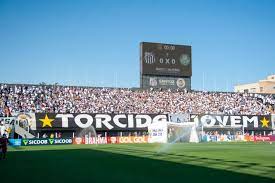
pixel 221 138
pixel 111 140
pixel 41 141
pixel 133 140
pixel 78 140
pixel 267 138
pixel 237 138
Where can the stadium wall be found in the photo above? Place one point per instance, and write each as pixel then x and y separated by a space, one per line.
pixel 129 124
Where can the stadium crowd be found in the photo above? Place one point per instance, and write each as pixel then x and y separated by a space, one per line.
pixel 65 99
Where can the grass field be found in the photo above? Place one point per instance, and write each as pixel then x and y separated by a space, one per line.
pixel 209 162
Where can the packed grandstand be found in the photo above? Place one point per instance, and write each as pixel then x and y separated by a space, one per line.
pixel 69 99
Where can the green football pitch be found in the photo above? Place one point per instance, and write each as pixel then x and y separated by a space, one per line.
pixel 205 162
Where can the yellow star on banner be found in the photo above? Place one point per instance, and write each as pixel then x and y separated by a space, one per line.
pixel 264 122
pixel 46 121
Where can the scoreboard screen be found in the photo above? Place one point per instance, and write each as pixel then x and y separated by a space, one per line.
pixel 165 59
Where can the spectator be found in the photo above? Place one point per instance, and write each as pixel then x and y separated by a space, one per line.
pixel 2 129
pixel 59 135
pixel 64 99
pixel 3 147
pixel 44 135
pixel 51 136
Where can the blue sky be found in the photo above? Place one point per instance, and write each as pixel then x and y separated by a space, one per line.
pixel 96 42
